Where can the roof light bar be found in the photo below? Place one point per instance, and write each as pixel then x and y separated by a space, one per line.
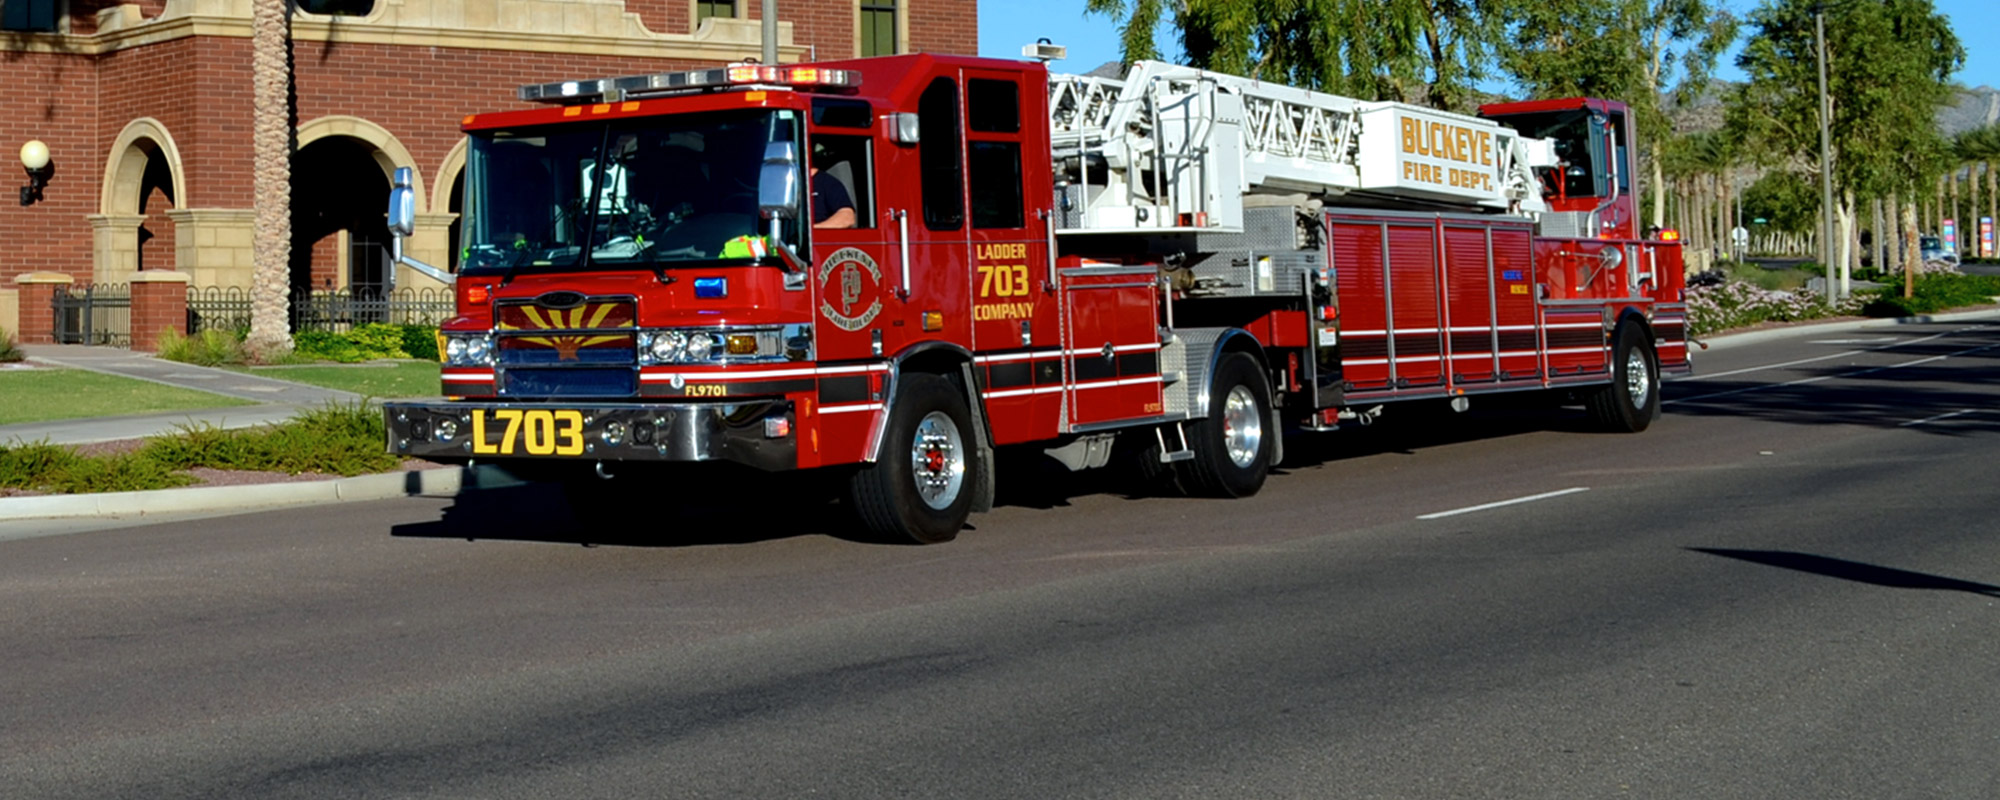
pixel 733 76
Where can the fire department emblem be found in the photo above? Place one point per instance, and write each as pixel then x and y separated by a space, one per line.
pixel 850 289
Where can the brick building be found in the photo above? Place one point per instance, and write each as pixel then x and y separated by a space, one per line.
pixel 145 108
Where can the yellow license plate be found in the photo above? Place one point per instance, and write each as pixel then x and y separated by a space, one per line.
pixel 527 431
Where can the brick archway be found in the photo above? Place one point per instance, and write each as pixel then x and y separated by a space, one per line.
pixel 143 182
pixel 389 152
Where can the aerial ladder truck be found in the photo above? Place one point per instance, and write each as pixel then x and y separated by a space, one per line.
pixel 1173 263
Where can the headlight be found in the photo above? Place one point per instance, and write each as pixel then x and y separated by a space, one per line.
pixel 706 346
pixel 667 346
pixel 699 346
pixel 461 350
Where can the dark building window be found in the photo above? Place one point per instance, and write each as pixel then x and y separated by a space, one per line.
pixel 878 28
pixel 338 8
pixel 28 15
pixel 703 9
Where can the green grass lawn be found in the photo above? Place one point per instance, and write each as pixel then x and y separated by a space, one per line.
pixel 40 395
pixel 383 379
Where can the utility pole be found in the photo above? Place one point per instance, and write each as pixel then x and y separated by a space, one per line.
pixel 770 27
pixel 1825 157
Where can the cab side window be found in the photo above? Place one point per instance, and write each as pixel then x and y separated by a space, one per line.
pixel 993 160
pixel 850 162
pixel 938 155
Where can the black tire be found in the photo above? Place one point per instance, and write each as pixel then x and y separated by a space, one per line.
pixel 1233 444
pixel 1632 401
pixel 921 488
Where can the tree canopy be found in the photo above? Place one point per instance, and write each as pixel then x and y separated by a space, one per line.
pixel 1889 68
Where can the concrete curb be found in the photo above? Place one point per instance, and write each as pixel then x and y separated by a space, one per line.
pixel 1750 337
pixel 442 482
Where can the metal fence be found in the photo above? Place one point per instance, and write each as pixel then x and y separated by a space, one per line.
pixel 228 308
pixel 95 313
pixel 221 308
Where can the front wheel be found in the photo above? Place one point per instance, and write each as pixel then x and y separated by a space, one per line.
pixel 1234 443
pixel 1632 401
pixel 920 489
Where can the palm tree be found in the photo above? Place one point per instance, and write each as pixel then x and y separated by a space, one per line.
pixel 270 290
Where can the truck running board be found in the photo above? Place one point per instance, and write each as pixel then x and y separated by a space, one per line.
pixel 1180 452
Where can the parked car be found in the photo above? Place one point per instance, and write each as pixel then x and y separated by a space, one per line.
pixel 1933 251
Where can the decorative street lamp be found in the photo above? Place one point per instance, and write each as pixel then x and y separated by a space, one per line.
pixel 35 158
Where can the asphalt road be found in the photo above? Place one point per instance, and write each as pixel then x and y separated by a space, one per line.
pixel 1786 589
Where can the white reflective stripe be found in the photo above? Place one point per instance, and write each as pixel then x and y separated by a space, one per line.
pixel 460 377
pixel 657 377
pixel 1363 333
pixel 1111 384
pixel 845 409
pixel 1005 393
pixel 1554 350
pixel 850 370
pixel 1574 325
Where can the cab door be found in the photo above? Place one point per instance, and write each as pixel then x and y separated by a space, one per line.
pixel 1015 315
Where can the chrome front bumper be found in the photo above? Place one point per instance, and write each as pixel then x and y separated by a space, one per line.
pixel 758 433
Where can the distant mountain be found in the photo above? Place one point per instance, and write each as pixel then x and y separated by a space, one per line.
pixel 1970 108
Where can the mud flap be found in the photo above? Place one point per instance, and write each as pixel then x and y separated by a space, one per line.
pixel 982 493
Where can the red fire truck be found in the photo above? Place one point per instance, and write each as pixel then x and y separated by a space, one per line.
pixel 891 266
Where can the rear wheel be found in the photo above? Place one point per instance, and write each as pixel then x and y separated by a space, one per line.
pixel 1233 444
pixel 1632 401
pixel 920 489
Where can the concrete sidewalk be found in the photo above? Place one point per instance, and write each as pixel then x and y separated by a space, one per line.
pixel 277 400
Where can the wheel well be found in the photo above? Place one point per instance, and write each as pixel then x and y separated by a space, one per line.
pixel 1631 316
pixel 940 360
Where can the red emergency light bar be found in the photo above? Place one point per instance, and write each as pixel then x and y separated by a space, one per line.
pixel 734 76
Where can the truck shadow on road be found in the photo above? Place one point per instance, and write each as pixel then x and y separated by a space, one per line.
pixel 686 514
pixel 1851 570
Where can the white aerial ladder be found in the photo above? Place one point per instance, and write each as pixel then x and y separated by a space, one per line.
pixel 1177 149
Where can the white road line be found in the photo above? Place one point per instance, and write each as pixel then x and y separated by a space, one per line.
pixel 1855 373
pixel 1708 375
pixel 1894 343
pixel 1947 415
pixel 1529 499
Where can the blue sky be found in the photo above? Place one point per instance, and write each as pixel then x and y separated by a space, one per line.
pixel 1005 25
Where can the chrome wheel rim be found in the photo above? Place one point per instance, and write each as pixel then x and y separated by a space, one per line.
pixel 937 460
pixel 1638 379
pixel 1242 427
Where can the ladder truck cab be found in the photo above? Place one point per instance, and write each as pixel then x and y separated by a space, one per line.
pixel 892 266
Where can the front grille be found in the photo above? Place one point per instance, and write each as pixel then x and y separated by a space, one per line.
pixel 570 382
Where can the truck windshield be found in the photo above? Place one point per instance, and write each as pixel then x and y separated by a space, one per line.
pixel 650 193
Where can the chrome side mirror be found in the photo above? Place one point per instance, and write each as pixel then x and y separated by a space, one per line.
pixel 403 204
pixel 778 182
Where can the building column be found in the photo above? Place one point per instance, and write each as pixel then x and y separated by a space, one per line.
pixel 212 246
pixel 10 311
pixel 114 245
pixel 429 242
pixel 159 304
pixel 38 315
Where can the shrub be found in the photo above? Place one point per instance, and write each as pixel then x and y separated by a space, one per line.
pixel 1935 291
pixel 1737 304
pixel 209 348
pixel 53 468
pixel 337 439
pixel 364 343
pixel 9 351
pixel 420 341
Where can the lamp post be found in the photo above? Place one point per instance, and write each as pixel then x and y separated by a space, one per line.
pixel 35 159
pixel 1825 157
pixel 769 30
